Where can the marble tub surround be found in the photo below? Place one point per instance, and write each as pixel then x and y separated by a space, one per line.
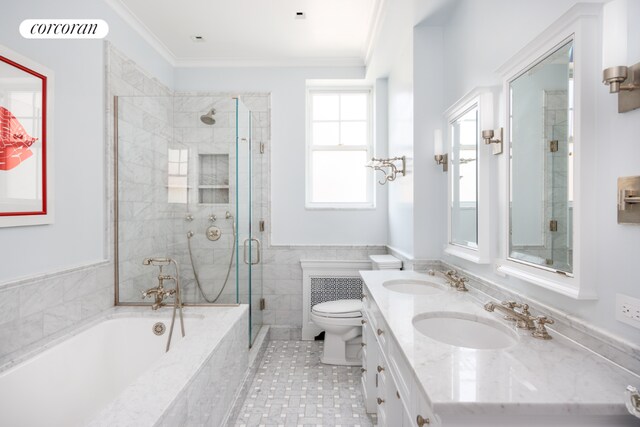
pixel 533 377
pixel 624 353
pixel 194 384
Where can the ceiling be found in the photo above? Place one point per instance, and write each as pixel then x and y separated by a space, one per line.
pixel 256 32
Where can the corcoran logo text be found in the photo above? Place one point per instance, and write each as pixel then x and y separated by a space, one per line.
pixel 64 29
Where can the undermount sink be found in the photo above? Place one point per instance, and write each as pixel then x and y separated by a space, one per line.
pixel 465 330
pixel 413 286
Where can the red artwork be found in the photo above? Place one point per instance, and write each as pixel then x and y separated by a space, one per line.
pixel 14 141
pixel 24 198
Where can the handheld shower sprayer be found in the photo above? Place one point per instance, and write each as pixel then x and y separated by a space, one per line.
pixel 156 261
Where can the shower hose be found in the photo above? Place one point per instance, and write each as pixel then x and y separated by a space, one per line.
pixel 193 265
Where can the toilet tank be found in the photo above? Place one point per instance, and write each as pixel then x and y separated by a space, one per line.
pixel 385 262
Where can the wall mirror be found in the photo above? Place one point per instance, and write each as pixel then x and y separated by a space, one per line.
pixel 550 207
pixel 541 155
pixel 467 209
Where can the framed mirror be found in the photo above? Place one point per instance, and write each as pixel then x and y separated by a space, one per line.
pixel 468 235
pixel 549 215
pixel 541 145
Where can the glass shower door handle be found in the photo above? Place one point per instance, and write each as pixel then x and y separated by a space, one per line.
pixel 246 261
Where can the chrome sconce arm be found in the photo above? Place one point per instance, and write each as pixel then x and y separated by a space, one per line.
pixel 442 159
pixel 487 137
pixel 388 168
pixel 625 81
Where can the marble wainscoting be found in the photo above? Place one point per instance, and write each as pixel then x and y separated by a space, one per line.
pixel 282 282
pixel 39 308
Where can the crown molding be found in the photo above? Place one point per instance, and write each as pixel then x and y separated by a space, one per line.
pixel 374 30
pixel 130 18
pixel 264 62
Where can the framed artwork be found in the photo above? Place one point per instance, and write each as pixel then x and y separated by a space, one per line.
pixel 26 187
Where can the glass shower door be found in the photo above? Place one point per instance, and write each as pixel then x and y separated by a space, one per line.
pixel 248 249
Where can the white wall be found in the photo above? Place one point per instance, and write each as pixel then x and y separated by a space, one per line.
pixel 472 53
pixel 430 182
pixel 292 224
pixel 78 235
pixel 401 144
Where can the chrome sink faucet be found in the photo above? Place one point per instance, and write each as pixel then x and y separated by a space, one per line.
pixel 523 318
pixel 453 279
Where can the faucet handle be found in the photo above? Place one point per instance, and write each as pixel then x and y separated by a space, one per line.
pixel 541 331
pixel 512 305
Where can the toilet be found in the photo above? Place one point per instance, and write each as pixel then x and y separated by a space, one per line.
pixel 341 321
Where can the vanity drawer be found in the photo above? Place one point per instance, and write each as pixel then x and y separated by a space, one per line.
pixel 401 372
pixel 391 412
pixel 369 363
pixel 421 408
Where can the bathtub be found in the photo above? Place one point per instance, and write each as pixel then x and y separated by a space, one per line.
pixel 115 372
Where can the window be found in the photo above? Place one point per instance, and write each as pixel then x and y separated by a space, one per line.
pixel 339 144
pixel 178 167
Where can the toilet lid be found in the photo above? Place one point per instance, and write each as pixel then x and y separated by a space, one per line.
pixel 339 308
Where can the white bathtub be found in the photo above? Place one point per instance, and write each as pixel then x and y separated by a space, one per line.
pixel 116 372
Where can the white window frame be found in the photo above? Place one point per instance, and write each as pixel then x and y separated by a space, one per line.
pixel 310 148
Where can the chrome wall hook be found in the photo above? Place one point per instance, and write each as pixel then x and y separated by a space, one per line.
pixel 388 168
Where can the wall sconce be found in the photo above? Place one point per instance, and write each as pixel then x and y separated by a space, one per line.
pixel 388 168
pixel 438 148
pixel 623 80
pixel 487 137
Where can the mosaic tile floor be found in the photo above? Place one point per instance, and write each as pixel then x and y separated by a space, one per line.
pixel 292 388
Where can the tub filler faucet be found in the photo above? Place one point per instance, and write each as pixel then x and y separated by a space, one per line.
pixel 160 293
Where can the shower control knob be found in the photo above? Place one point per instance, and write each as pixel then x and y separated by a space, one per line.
pixel 213 233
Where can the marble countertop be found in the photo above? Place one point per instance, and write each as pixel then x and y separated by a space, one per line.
pixel 534 376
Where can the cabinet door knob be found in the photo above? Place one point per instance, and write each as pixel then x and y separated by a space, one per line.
pixel 363 296
pixel 363 344
pixel 380 401
pixel 380 331
pixel 363 321
pixel 363 370
pixel 380 368
pixel 422 421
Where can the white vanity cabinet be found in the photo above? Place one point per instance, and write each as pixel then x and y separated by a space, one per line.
pixel 389 388
pixel 369 362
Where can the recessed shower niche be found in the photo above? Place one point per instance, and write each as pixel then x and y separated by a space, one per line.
pixel 213 179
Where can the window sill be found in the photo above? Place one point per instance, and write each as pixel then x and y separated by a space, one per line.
pixel 346 207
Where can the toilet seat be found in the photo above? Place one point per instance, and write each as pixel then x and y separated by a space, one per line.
pixel 340 309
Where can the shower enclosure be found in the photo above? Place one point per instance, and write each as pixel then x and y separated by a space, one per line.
pixel 188 184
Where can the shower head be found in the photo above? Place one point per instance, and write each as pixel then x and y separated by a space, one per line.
pixel 208 119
